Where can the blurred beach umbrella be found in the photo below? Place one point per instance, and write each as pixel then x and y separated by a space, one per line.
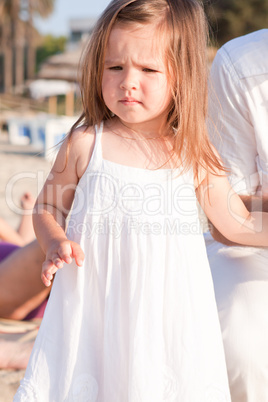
pixel 50 89
pixel 46 88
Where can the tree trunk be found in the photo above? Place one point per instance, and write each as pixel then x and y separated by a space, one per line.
pixel 6 46
pixel 18 65
pixel 8 69
pixel 19 70
pixel 69 103
pixel 31 52
pixel 30 72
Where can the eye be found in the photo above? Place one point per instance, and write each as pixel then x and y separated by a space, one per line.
pixel 115 68
pixel 149 70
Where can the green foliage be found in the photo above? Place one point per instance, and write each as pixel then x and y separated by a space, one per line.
pixel 51 45
pixel 231 18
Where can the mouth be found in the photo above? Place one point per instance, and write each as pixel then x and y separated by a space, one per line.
pixel 129 101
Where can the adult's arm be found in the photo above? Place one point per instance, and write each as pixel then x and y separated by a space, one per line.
pixel 230 125
pixel 238 127
pixel 9 235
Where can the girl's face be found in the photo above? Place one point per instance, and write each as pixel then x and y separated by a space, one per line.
pixel 135 85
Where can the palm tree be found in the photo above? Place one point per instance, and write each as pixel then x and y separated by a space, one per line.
pixel 9 11
pixel 43 8
pixel 16 34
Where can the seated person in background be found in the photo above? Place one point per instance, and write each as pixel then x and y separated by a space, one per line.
pixel 21 288
pixel 22 297
pixel 22 293
pixel 239 112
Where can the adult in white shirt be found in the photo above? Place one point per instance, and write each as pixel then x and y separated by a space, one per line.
pixel 238 128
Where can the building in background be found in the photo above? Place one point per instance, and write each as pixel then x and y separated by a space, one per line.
pixel 80 30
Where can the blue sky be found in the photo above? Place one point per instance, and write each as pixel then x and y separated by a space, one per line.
pixel 64 10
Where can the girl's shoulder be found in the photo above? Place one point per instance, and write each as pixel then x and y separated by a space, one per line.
pixel 75 152
pixel 81 145
pixel 81 135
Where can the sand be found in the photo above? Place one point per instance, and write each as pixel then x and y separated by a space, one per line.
pixel 9 382
pixel 21 170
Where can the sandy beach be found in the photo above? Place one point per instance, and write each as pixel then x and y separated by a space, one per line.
pixel 21 170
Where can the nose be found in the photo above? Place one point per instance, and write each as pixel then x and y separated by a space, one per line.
pixel 129 81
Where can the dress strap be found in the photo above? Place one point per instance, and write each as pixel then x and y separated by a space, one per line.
pixel 96 158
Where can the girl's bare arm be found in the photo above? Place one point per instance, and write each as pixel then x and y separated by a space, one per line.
pixel 54 203
pixel 252 203
pixel 227 212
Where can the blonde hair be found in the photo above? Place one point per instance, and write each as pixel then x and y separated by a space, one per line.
pixel 185 26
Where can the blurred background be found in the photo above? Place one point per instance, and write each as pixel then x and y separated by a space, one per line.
pixel 40 47
pixel 41 42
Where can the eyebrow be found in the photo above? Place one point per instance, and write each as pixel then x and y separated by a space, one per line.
pixel 109 61
pixel 150 64
pixel 114 61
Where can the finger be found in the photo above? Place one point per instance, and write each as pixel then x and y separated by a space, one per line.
pixel 57 261
pixel 65 253
pixel 46 282
pixel 78 254
pixel 48 269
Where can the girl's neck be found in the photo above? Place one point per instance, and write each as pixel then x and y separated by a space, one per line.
pixel 131 147
pixel 142 132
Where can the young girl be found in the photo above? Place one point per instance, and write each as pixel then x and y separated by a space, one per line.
pixel 132 315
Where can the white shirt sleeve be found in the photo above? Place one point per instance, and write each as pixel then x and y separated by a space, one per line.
pixel 238 123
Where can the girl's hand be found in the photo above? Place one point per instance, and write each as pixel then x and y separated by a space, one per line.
pixel 59 253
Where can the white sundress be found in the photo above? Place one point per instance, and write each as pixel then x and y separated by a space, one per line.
pixel 138 322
